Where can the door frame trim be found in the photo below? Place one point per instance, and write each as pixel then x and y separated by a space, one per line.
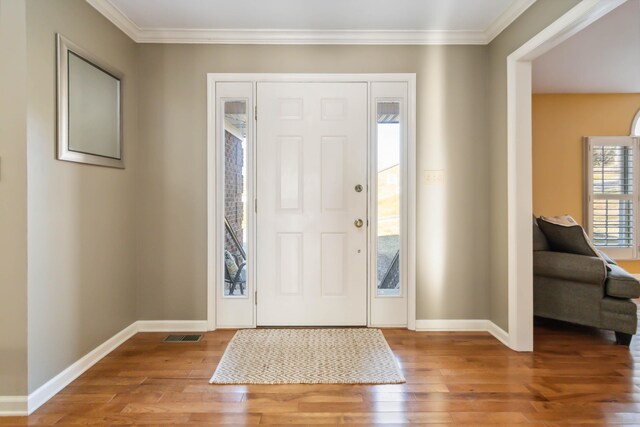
pixel 519 162
pixel 213 238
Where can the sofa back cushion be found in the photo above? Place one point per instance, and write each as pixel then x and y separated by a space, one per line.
pixel 564 234
pixel 540 242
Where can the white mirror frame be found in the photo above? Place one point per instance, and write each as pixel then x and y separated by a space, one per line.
pixel 64 46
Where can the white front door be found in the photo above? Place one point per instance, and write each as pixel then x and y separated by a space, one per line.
pixel 311 219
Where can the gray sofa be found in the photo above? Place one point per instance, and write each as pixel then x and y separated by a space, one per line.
pixel 580 289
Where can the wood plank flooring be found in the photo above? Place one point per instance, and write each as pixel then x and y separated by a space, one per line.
pixel 575 376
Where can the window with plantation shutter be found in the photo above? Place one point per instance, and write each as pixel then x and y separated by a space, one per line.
pixel 612 194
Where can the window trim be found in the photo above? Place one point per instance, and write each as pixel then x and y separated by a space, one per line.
pixel 635 125
pixel 386 310
pixel 618 253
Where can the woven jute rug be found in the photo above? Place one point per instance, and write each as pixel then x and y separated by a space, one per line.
pixel 308 356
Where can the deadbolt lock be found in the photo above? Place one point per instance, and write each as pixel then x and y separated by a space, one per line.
pixel 358 188
pixel 358 223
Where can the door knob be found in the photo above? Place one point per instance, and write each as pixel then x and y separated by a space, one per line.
pixel 358 188
pixel 358 223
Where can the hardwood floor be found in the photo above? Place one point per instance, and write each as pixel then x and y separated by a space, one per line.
pixel 575 376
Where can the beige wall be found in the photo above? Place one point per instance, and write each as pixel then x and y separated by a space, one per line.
pixel 452 261
pixel 108 246
pixel 81 218
pixel 535 19
pixel 560 121
pixel 13 199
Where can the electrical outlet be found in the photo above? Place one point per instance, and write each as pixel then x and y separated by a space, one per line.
pixel 434 177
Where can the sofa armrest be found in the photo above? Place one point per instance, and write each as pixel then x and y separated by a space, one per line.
pixel 576 268
pixel 621 284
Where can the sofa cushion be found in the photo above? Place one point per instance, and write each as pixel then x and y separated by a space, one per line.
pixel 621 284
pixel 607 258
pixel 540 242
pixel 564 234
pixel 569 267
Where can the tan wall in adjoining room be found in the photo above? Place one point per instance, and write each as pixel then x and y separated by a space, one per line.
pixel 535 19
pixel 560 121
pixel 81 218
pixel 452 116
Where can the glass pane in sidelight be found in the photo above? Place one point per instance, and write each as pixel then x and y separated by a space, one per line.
pixel 235 199
pixel 388 198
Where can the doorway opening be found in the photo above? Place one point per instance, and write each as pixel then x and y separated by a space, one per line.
pixel 519 162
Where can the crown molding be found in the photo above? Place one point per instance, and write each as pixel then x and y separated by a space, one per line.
pixel 298 37
pixel 506 18
pixel 361 37
pixel 117 18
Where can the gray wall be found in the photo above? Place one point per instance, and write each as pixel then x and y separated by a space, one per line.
pixel 108 246
pixel 81 218
pixel 13 199
pixel 534 20
pixel 452 265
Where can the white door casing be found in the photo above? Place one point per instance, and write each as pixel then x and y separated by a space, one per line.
pixel 233 312
pixel 519 161
pixel 389 311
pixel 238 312
pixel 311 154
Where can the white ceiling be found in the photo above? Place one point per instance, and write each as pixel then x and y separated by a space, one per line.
pixel 602 58
pixel 313 21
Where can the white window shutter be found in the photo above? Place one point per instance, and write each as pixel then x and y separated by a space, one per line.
pixel 611 182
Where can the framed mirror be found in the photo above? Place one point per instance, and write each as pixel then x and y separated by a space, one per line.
pixel 89 108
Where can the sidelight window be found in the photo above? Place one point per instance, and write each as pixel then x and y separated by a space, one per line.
pixel 389 210
pixel 235 199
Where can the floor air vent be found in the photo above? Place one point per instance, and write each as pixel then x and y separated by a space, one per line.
pixel 183 338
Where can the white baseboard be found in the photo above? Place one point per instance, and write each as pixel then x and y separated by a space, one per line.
pixel 464 325
pixel 499 333
pixel 172 325
pixel 60 381
pixel 451 325
pixel 10 405
pixel 13 406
